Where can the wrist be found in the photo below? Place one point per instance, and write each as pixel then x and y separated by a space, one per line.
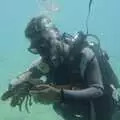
pixel 61 95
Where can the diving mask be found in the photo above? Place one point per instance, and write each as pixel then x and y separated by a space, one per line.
pixel 33 50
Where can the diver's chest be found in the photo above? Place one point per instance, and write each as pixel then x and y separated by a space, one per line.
pixel 67 73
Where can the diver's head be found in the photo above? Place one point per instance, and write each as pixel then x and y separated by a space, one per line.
pixel 41 26
pixel 44 37
pixel 41 31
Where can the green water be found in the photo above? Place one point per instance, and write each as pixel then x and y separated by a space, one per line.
pixel 71 16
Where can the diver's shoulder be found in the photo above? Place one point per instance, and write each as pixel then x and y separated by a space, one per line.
pixel 87 53
pixel 35 63
pixel 40 65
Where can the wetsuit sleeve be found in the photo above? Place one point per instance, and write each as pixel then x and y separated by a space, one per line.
pixel 38 68
pixel 93 79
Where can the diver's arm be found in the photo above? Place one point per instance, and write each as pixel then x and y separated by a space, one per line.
pixel 32 74
pixel 34 68
pixel 94 81
pixel 23 77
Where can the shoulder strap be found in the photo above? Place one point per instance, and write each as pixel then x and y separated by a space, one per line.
pixel 87 56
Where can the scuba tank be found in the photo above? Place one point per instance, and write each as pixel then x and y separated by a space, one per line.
pixel 81 40
pixel 109 77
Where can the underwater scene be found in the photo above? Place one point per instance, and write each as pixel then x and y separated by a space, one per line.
pixel 69 21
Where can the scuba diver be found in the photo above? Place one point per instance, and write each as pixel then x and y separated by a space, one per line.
pixel 79 79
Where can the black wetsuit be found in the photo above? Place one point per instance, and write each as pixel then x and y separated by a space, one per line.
pixel 87 102
pixel 78 104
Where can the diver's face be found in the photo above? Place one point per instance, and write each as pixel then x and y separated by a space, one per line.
pixel 40 46
pixel 46 45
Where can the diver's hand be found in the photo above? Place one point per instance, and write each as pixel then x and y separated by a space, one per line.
pixel 18 91
pixel 18 95
pixel 24 77
pixel 45 94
